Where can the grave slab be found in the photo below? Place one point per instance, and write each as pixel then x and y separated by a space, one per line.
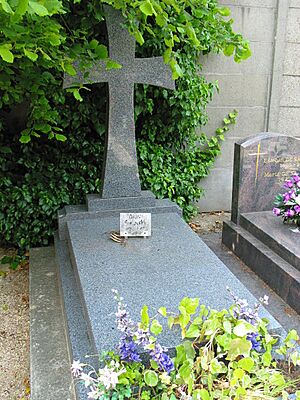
pixel 261 165
pixel 158 271
pixel 273 233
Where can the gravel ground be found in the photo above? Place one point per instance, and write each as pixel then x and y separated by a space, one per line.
pixel 14 333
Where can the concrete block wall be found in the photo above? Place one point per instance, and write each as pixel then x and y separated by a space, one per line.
pixel 289 111
pixel 265 89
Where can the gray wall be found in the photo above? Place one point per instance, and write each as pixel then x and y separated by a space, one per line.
pixel 265 89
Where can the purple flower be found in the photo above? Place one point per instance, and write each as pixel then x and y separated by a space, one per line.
pixel 289 183
pixel 276 211
pixel 297 209
pixel 253 338
pixel 298 184
pixel 133 336
pixel 289 195
pixel 296 178
pixel 243 311
pixel 289 213
pixel 162 359
pixel 128 349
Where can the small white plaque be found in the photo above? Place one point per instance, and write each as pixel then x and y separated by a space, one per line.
pixel 135 224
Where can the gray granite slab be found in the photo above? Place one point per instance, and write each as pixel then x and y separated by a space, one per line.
pixel 79 212
pixel 157 271
pixel 276 235
pixel 50 375
pixel 261 165
pixel 280 275
pixel 96 203
pixel 120 176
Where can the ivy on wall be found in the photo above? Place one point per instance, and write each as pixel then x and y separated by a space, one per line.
pixel 51 140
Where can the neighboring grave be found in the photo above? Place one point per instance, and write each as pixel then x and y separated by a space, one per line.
pixel 159 270
pixel 261 165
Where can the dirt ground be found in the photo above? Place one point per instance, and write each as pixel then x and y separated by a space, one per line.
pixel 14 318
pixel 14 332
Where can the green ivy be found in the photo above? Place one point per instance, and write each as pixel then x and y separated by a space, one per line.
pixel 51 140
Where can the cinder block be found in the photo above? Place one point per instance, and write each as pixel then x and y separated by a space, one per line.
pixel 290 95
pixel 259 63
pixel 289 121
pixel 218 187
pixel 293 26
pixel 294 3
pixel 250 120
pixel 255 23
pixel 292 59
pixel 250 3
pixel 244 90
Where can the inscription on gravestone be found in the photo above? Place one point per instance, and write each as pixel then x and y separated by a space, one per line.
pixel 261 165
pixel 135 224
pixel 120 176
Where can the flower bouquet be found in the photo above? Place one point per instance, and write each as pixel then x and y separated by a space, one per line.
pixel 288 203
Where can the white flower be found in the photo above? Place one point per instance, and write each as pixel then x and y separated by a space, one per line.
pixel 77 368
pixel 87 379
pixel 94 393
pixel 264 300
pixel 109 378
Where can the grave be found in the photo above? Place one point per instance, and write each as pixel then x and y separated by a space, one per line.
pixel 159 270
pixel 270 248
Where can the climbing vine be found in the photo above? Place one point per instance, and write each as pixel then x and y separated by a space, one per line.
pixel 51 140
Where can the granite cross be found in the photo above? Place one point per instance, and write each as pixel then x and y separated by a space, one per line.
pixel 120 176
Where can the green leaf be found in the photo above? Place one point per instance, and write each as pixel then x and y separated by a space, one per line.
pixel 151 378
pixel 267 358
pixel 31 55
pixel 167 55
pixel 145 316
pixel 228 51
pixel 6 54
pixel 139 37
pixel 22 7
pixel 69 69
pixel 61 138
pixel 112 65
pixel 163 311
pixel 227 326
pixel 242 328
pixel 193 331
pixel 156 327
pixel 6 7
pixel 246 364
pixel 25 139
pixel 160 20
pixel 101 51
pixel 239 347
pixel 204 394
pixel 38 8
pixel 277 379
pixel 224 11
pixel 176 70
pixel 147 8
pixel 189 304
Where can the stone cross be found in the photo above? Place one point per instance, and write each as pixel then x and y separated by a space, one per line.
pixel 120 176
